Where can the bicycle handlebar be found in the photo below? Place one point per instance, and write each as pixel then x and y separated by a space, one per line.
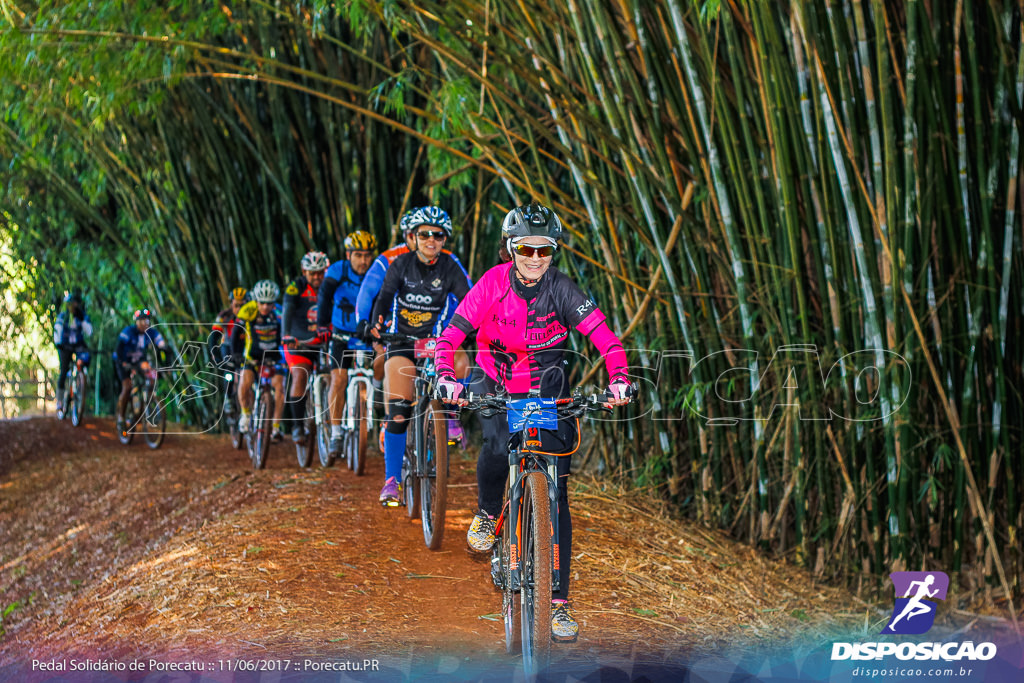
pixel 576 404
pixel 311 343
pixel 394 338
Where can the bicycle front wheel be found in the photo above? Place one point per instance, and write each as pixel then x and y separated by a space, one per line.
pixel 65 400
pixel 410 482
pixel 260 436
pixel 359 437
pixel 434 478
pixel 535 592
pixel 78 399
pixel 321 403
pixel 510 602
pixel 134 416
pixel 304 450
pixel 155 417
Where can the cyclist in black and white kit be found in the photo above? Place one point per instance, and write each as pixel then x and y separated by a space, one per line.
pixel 414 298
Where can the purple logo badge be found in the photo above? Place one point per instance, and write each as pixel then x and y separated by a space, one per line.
pixel 917 595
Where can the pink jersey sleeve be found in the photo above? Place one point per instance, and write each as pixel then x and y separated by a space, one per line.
pixel 444 350
pixel 609 346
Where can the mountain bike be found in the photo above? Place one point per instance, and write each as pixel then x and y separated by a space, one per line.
pixel 357 420
pixel 146 411
pixel 316 421
pixel 524 560
pixel 75 383
pixel 230 408
pixel 257 439
pixel 425 466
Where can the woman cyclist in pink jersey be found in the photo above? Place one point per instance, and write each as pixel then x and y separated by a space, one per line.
pixel 522 311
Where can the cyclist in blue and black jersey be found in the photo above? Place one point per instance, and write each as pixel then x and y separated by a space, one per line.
pixel 411 220
pixel 416 299
pixel 374 277
pixel 132 344
pixel 70 331
pixel 336 308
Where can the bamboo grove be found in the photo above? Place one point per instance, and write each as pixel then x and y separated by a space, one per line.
pixel 802 218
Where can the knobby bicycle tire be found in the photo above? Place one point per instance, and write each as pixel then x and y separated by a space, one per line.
pixel 359 466
pixel 511 609
pixel 155 419
pixel 134 416
pixel 78 399
pixel 322 418
pixel 434 478
pixel 304 451
pixel 410 482
pixel 261 432
pixel 65 399
pixel 237 438
pixel 536 573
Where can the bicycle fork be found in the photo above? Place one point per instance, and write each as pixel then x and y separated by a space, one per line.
pixel 352 397
pixel 512 512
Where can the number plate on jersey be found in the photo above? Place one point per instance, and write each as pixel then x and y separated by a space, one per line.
pixel 532 412
pixel 424 348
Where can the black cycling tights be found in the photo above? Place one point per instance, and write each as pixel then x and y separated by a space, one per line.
pixel 492 472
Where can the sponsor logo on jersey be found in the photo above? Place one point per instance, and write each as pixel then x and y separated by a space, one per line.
pixel 415 318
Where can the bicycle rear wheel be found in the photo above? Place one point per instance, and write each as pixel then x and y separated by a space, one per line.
pixel 434 478
pixel 155 418
pixel 78 398
pixel 260 435
pixel 535 592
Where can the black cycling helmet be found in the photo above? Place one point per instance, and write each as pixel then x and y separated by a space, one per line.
pixel 143 314
pixel 74 297
pixel 531 220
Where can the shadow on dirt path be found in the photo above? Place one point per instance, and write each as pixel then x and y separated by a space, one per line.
pixel 182 553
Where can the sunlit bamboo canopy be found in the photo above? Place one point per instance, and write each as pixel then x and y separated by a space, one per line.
pixel 800 216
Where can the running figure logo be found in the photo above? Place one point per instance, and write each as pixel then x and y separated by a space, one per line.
pixel 917 594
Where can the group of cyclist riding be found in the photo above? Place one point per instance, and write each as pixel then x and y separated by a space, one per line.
pixel 70 334
pixel 521 312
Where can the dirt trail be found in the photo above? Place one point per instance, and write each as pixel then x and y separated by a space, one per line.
pixel 121 553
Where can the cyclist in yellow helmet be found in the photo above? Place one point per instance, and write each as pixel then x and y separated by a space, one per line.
pixel 336 310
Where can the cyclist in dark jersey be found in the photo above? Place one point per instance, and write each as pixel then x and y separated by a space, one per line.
pixel 131 351
pixel 224 324
pixel 298 322
pixel 371 285
pixel 226 318
pixel 336 310
pixel 70 331
pixel 523 311
pixel 256 341
pixel 415 299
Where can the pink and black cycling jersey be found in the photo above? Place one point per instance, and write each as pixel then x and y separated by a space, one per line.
pixel 523 331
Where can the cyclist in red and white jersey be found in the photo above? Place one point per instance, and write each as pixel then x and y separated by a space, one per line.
pixel 298 323
pixel 523 311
